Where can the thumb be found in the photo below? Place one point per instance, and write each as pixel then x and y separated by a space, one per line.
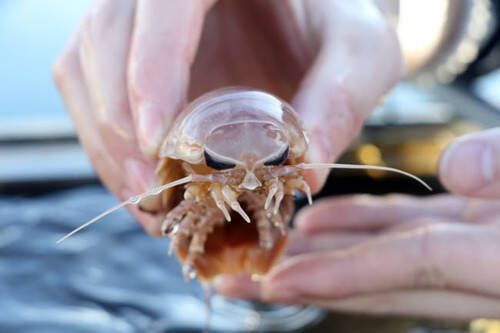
pixel 471 165
pixel 330 123
pixel 358 61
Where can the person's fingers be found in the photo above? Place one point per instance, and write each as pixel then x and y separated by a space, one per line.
pixel 237 286
pixel 104 49
pixel 69 79
pixel 344 83
pixel 365 212
pixel 419 303
pixel 299 243
pixel 242 286
pixel 453 256
pixel 471 165
pixel 416 223
pixel 480 210
pixel 165 39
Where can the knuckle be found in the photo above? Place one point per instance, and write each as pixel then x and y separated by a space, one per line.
pixel 96 18
pixel 58 72
pixel 415 224
pixel 396 198
pixel 428 272
pixel 358 201
pixel 64 68
pixel 390 53
pixel 103 19
pixel 87 35
pixel 397 202
pixel 67 65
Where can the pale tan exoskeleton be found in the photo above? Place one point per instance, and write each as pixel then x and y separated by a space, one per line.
pixel 239 153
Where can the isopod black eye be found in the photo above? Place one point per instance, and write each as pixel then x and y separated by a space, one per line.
pixel 216 164
pixel 278 160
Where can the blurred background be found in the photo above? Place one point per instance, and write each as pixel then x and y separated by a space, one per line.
pixel 115 278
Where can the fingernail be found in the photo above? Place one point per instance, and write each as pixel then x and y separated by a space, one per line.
pixel 139 175
pixel 467 166
pixel 150 130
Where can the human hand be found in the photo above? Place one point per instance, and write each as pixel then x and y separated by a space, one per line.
pixel 132 64
pixel 436 256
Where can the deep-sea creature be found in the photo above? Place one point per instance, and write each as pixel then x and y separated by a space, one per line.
pixel 239 154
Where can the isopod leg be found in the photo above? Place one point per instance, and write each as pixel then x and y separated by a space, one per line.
pixel 265 229
pixel 204 227
pixel 273 188
pixel 175 216
pixel 300 184
pixel 276 192
pixel 183 232
pixel 280 194
pixel 231 198
pixel 279 223
pixel 287 208
pixel 262 218
pixel 281 219
pixel 216 194
pixel 197 246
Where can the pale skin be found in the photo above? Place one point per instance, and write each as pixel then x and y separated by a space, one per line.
pixel 435 257
pixel 132 65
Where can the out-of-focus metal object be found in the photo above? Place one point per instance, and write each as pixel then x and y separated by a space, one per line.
pixel 421 116
pixel 440 38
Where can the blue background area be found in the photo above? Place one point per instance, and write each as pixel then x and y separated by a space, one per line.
pixel 32 34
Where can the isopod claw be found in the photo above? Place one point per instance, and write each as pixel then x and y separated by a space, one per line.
pixel 237 208
pixel 219 201
pixel 231 198
pixel 188 271
pixel 279 197
pixel 272 191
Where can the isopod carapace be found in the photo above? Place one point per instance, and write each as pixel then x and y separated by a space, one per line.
pixel 238 154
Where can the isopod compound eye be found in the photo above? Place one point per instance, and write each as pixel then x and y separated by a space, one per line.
pixel 278 160
pixel 216 164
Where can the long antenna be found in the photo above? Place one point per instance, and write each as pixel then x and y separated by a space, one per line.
pixel 360 167
pixel 132 200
